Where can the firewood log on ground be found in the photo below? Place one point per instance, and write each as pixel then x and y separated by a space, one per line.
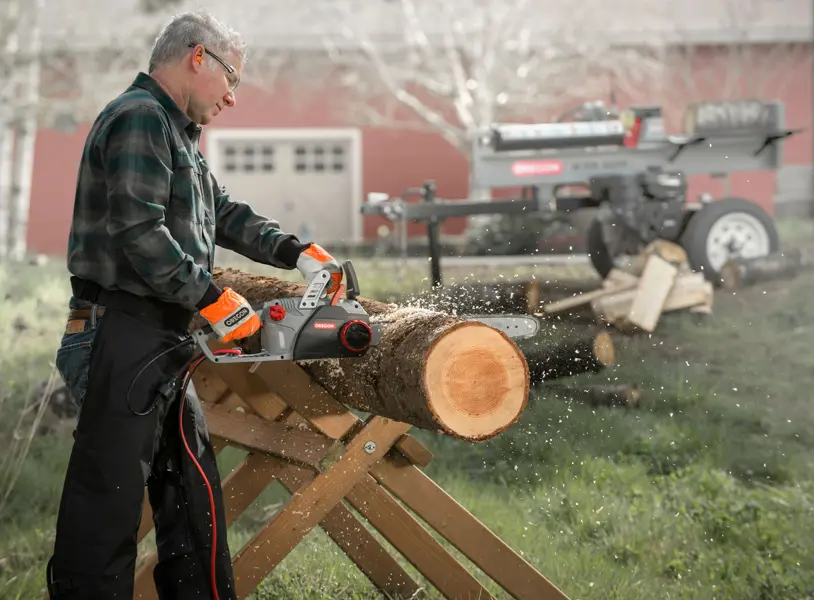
pixel 785 264
pixel 586 354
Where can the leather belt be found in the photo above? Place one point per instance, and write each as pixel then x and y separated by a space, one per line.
pixel 85 313
pixel 149 310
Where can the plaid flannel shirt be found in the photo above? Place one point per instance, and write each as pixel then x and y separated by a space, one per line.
pixel 148 212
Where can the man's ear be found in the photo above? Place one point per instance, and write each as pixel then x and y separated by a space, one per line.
pixel 198 57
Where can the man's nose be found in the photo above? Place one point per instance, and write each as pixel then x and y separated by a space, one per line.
pixel 230 99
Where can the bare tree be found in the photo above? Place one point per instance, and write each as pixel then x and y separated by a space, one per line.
pixel 460 66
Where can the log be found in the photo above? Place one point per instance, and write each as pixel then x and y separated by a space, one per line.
pixel 665 250
pixel 652 291
pixel 742 272
pixel 618 395
pixel 589 354
pixel 616 281
pixel 689 291
pixel 432 370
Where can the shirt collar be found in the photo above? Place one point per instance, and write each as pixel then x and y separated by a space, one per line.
pixel 181 119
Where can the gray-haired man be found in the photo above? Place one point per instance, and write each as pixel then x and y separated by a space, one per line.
pixel 147 216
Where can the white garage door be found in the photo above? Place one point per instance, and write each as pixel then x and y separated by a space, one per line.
pixel 308 184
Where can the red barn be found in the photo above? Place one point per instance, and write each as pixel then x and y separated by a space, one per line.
pixel 298 155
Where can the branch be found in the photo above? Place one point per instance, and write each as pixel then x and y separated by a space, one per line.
pixel 462 68
pixel 453 134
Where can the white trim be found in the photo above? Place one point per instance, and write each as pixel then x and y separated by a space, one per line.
pixel 216 135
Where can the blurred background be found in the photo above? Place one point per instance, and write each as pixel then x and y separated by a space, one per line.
pixel 340 99
pixel 348 108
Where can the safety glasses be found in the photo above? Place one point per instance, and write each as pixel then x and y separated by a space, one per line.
pixel 231 73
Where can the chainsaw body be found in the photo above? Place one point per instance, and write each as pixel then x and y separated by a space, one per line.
pixel 311 326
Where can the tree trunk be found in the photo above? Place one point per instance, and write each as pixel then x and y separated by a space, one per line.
pixel 587 355
pixel 743 272
pixel 6 170
pixel 432 370
pixel 26 128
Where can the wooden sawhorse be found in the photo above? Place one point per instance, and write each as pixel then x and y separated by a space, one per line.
pixel 296 432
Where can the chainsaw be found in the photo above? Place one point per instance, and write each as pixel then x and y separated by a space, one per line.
pixel 316 325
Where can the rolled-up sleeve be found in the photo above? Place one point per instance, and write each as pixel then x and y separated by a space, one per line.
pixel 137 159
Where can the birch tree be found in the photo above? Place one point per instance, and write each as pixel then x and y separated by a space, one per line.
pixel 12 29
pixel 29 36
pixel 458 66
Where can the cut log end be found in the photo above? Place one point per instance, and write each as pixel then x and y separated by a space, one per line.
pixel 731 276
pixel 476 384
pixel 604 349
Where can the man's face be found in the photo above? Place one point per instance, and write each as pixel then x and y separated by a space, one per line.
pixel 212 87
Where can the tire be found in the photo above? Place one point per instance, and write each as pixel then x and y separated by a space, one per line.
pixel 741 223
pixel 598 250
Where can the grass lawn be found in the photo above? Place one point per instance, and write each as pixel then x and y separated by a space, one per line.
pixel 705 491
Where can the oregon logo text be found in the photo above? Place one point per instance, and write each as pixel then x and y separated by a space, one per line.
pixel 324 325
pixel 237 317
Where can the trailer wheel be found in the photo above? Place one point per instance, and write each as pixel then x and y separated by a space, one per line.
pixel 726 229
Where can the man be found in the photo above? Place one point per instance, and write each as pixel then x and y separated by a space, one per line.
pixel 147 216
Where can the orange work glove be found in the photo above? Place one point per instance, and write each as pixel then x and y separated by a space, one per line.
pixel 231 316
pixel 313 260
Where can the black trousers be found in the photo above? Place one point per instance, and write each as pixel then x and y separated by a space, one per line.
pixel 117 453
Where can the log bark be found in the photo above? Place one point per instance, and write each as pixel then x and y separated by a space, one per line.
pixel 432 370
pixel 620 395
pixel 589 354
pixel 743 272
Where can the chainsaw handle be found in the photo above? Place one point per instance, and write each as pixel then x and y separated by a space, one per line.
pixel 352 281
pixel 208 332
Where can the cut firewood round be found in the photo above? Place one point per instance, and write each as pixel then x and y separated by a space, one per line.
pixel 475 383
pixel 603 349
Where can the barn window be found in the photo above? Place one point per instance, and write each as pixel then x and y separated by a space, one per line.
pixel 319 158
pixel 338 158
pixel 308 157
pixel 249 157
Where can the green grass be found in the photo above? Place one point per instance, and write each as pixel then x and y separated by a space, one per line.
pixel 705 491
